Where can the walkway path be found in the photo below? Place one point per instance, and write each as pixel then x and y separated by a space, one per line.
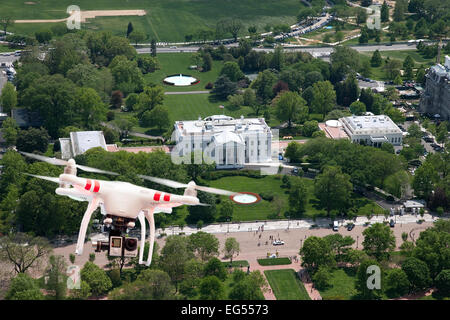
pixel 186 92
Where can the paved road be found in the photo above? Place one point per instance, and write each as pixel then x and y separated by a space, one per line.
pixel 3 59
pixel 328 50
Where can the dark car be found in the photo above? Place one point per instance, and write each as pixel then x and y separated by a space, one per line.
pixel 392 223
pixel 350 226
pixel 428 139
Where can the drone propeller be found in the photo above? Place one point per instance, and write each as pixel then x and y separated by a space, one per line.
pixel 52 179
pixel 59 162
pixel 176 185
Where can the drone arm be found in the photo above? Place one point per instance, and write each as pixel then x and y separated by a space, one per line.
pixel 141 218
pixel 93 204
pixel 151 222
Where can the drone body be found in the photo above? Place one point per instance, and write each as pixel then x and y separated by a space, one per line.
pixel 121 202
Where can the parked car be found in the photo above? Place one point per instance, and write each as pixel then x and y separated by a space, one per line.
pixel 295 170
pixel 428 139
pixel 278 243
pixel 392 223
pixel 335 225
pixel 350 226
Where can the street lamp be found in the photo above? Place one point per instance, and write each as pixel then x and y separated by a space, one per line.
pixel 288 222
pixel 357 238
pixel 228 225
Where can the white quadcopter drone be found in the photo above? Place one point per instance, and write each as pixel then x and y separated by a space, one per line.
pixel 121 203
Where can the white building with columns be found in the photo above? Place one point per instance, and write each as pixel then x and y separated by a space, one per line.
pixel 229 142
pixel 372 130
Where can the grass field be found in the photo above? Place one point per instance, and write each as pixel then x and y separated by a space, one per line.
pixel 175 63
pixel 274 261
pixel 236 264
pixel 342 285
pixel 166 20
pixel 286 285
pixel 4 48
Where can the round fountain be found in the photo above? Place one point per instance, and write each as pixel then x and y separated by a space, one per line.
pixel 180 80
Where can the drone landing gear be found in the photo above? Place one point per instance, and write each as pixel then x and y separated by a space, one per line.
pixel 93 204
pixel 148 213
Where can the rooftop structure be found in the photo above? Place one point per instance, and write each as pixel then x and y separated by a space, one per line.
pixel 333 129
pixel 436 97
pixel 80 142
pixel 372 130
pixel 229 142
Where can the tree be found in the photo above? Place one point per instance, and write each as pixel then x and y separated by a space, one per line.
pixel 339 245
pixel 408 65
pixel 298 196
pixel 153 48
pixel 226 210
pixel 392 67
pixel 158 116
pixel 399 10
pixel 214 267
pixel 136 36
pixel 205 214
pixel 206 245
pixel 263 85
pixel 384 14
pixel 333 189
pixel 147 64
pixel 10 131
pixel 5 22
pixel 127 75
pixel 309 127
pixel 420 75
pixel 207 62
pixel 277 60
pixel 248 287
pixel 211 288
pixel 149 99
pixel 8 98
pixel 232 71
pixel 56 273
pixel 362 277
pixel 33 140
pixel 358 108
pixel 322 278
pixel 224 87
pixel 91 107
pixel 96 278
pixel 424 178
pixel 129 28
pixel 442 132
pixel 442 282
pixel 23 251
pixel 376 60
pixel 43 36
pixel 23 287
pixel 231 248
pixel 291 107
pixel 324 97
pixel 417 272
pixel 233 26
pixel 316 252
pixel 54 97
pixel 397 283
pixel 174 256
pixel 398 182
pixel 364 37
pixel 379 240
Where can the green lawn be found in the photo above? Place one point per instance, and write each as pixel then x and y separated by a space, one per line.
pixel 274 261
pixel 236 264
pixel 342 285
pixel 166 20
pixel 4 48
pixel 286 285
pixel 175 63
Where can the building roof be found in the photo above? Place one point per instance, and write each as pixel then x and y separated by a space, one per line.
pixel 215 124
pixel 227 136
pixel 412 204
pixel 370 124
pixel 80 142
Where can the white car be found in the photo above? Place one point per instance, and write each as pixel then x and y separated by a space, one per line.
pixel 278 243
pixel 335 226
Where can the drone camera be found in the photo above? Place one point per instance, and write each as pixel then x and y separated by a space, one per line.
pixel 115 246
pixel 130 247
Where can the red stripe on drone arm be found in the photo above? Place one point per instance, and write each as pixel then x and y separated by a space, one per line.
pixel 88 184
pixel 167 197
pixel 157 196
pixel 97 186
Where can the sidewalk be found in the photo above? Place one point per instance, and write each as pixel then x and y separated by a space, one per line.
pixel 290 224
